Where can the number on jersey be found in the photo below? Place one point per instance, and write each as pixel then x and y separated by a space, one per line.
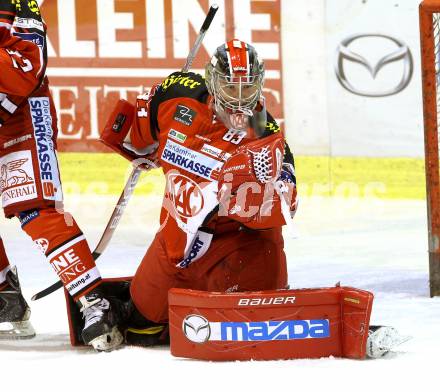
pixel 234 136
pixel 18 61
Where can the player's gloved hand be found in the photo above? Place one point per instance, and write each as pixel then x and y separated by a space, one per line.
pixel 247 183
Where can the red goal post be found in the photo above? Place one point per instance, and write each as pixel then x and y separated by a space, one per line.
pixel 430 52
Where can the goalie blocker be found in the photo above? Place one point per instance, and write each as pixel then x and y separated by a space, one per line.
pixel 116 131
pixel 264 325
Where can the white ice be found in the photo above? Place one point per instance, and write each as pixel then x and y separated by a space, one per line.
pixel 376 245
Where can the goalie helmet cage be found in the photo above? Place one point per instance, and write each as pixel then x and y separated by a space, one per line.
pixel 430 52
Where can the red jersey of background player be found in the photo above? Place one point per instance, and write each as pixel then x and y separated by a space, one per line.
pixel 30 185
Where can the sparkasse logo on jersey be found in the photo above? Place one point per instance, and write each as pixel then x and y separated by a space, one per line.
pixel 189 160
pixel 114 50
pixel 43 134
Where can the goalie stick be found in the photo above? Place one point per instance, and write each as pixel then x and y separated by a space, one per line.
pixel 135 174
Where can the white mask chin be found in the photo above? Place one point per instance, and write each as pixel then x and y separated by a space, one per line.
pixel 239 120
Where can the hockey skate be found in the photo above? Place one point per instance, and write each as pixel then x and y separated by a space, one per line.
pixel 14 311
pixel 382 340
pixel 101 319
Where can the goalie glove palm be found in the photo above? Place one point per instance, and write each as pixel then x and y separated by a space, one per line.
pixel 246 183
pixel 258 162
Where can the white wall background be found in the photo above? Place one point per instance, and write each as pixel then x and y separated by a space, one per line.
pixel 322 118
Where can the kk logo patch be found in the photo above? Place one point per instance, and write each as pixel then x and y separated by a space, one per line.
pixel 184 115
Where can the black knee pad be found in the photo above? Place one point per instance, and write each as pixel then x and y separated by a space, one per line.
pixel 142 332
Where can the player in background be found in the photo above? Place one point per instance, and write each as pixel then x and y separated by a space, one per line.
pixel 30 184
pixel 223 156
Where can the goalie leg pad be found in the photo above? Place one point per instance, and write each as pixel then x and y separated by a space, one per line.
pixel 279 324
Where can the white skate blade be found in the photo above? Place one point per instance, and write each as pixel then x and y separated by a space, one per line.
pixel 16 330
pixel 383 341
pixel 108 341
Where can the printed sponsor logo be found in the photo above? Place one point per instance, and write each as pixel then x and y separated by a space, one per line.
pixel 186 195
pixel 205 139
pixel 177 136
pixel 196 328
pixel 68 265
pixel 42 244
pixel 80 283
pixel 272 127
pixel 199 330
pixel 193 254
pixel 77 285
pixel 182 80
pixel 18 140
pixel 189 160
pixel 215 152
pixel 279 159
pixel 17 179
pixel 119 122
pixel 47 162
pixel 26 217
pixel 266 301
pixel 274 330
pixel 33 7
pixel 402 53
pixel 353 300
pixel 36 38
pixel 234 168
pixel 184 115
pixel 29 23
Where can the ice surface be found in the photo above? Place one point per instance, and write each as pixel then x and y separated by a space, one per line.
pixel 367 243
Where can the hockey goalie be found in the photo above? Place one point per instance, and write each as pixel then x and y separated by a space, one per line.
pixel 215 275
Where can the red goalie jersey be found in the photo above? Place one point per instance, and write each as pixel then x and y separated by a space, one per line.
pixel 193 149
pixel 221 216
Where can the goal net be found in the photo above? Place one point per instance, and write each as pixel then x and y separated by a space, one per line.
pixel 430 51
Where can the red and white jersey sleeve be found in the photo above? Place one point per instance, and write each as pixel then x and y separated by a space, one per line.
pixel 143 133
pixel 21 64
pixel 22 59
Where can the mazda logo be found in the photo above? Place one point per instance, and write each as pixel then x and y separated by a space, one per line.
pixel 196 328
pixel 402 53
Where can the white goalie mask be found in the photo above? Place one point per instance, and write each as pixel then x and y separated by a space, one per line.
pixel 234 78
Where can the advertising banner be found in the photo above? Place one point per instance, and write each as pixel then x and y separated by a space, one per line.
pixel 103 50
pixel 374 81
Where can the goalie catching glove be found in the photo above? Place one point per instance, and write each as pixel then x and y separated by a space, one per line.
pixel 248 180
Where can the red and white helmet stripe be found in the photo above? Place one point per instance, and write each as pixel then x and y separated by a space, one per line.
pixel 238 57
